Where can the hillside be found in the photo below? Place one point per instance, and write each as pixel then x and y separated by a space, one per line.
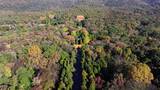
pixel 52 4
pixel 34 4
pixel 79 45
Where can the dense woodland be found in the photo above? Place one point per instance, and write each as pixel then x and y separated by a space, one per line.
pixel 80 48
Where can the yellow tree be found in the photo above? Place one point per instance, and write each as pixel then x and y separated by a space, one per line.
pixel 34 53
pixel 141 73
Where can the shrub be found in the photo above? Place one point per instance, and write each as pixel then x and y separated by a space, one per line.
pixel 141 73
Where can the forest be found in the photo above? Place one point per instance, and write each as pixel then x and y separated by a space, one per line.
pixel 80 48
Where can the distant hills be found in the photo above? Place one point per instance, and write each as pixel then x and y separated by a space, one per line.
pixel 34 4
pixel 131 3
pixel 52 4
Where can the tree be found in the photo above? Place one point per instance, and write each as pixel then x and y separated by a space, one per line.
pixel 141 73
pixel 24 78
pixel 84 80
pixel 34 51
pixel 92 85
pixel 61 86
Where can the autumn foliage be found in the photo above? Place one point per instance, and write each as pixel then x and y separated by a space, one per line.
pixel 141 73
pixel 80 18
pixel 34 51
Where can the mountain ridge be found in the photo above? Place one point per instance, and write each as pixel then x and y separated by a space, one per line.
pixel 51 4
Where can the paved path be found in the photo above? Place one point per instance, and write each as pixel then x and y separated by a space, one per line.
pixel 78 73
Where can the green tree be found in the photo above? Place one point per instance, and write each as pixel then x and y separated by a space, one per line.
pixel 61 86
pixel 84 80
pixel 92 85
